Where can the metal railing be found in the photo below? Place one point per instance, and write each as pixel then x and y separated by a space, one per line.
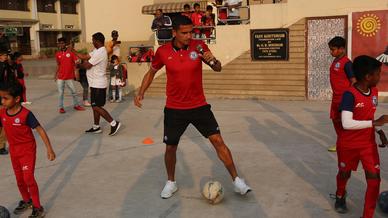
pixel 163 40
pixel 230 20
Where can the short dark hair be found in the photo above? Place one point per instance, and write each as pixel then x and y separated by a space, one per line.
pixel 113 58
pixel 337 42
pixel 180 20
pixel 15 89
pixel 197 5
pixel 160 10
pixel 186 6
pixel 15 55
pixel 62 39
pixel 114 33
pixel 99 37
pixel 364 65
pixel 209 8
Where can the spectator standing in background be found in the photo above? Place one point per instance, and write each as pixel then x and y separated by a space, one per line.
pixel 187 11
pixel 113 46
pixel 196 18
pixel 208 20
pixel 222 12
pixel 162 25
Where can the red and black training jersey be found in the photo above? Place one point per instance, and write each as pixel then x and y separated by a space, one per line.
pixel 184 88
pixel 363 107
pixel 18 127
pixel 340 73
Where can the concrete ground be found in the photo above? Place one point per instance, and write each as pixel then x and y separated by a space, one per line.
pixel 280 148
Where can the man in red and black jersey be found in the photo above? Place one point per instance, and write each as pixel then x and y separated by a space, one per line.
pixel 186 103
pixel 341 78
pixel 18 122
pixel 356 141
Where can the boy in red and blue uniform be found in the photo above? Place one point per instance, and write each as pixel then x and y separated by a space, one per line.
pixel 18 123
pixel 341 78
pixel 356 141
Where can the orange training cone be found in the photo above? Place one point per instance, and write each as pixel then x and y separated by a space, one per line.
pixel 148 141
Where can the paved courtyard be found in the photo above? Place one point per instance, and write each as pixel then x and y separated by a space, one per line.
pixel 279 148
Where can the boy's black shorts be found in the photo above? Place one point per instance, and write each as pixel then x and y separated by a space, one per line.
pixel 177 120
pixel 97 97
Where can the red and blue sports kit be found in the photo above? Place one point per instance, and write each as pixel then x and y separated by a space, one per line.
pixel 22 147
pixel 340 74
pixel 354 146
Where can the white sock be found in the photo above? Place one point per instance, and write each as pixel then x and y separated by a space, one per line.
pixel 96 126
pixel 113 94
pixel 113 123
pixel 120 94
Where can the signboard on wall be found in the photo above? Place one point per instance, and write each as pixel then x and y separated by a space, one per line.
pixel 370 37
pixel 270 44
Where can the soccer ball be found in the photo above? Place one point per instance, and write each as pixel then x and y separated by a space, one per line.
pixel 4 213
pixel 213 192
pixel 383 201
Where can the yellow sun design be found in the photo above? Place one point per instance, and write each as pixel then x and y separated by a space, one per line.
pixel 368 25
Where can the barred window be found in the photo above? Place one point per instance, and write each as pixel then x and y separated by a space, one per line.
pixel 17 5
pixel 47 6
pixel 69 6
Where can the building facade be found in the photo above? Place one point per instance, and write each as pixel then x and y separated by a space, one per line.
pixel 33 26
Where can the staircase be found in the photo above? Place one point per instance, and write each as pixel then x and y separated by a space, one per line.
pixel 246 79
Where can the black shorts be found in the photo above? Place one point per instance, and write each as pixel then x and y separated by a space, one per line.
pixel 176 122
pixel 97 97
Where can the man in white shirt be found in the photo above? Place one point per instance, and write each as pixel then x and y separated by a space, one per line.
pixel 233 10
pixel 96 63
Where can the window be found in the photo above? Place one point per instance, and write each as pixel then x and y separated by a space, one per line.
pixel 17 5
pixel 71 36
pixel 48 39
pixel 47 6
pixel 69 6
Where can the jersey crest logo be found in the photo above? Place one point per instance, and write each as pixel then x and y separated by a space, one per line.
pixel 193 55
pixel 337 65
pixel 374 101
pixel 68 55
pixel 17 120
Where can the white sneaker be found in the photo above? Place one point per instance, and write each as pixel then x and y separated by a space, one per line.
pixel 87 104
pixel 169 189
pixel 240 186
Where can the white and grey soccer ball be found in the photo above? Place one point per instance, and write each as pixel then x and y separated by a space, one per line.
pixel 213 192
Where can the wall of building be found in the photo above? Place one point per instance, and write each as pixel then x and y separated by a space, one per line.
pixel 8 14
pixel 70 19
pixel 49 19
pixel 122 15
pixel 232 41
pixel 264 16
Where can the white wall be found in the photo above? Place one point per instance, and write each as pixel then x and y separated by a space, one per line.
pixel 122 15
pixel 232 41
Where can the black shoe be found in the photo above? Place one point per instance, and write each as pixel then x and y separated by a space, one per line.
pixel 340 204
pixel 22 206
pixel 95 131
pixel 115 129
pixel 37 213
pixel 3 151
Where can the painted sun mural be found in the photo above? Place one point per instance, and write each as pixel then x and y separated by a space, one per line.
pixel 368 25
